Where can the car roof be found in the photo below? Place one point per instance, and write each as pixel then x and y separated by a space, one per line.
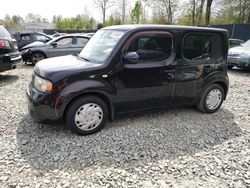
pixel 154 26
pixel 236 39
pixel 74 35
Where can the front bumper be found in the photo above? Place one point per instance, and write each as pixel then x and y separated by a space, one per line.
pixel 240 62
pixel 40 105
pixel 26 55
pixel 10 61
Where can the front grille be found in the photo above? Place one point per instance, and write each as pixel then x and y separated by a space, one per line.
pixel 233 55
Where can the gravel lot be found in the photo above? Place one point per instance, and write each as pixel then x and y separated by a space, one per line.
pixel 177 148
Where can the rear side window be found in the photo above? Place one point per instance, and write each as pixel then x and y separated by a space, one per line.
pixel 156 47
pixel 198 46
pixel 40 37
pixel 4 32
pixel 25 37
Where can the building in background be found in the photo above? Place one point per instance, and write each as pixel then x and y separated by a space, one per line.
pixel 36 27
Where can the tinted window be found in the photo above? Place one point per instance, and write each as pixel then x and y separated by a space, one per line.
pixel 25 37
pixel 4 32
pixel 81 41
pixel 41 37
pixel 152 47
pixel 197 46
pixel 64 41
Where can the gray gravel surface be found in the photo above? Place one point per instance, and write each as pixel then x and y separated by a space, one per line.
pixel 177 148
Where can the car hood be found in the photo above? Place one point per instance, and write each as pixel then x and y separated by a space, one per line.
pixel 34 44
pixel 64 65
pixel 239 50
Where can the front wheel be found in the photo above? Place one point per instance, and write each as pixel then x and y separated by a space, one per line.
pixel 87 115
pixel 37 56
pixel 211 99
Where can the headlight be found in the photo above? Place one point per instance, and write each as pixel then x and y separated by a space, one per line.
pixel 245 54
pixel 42 84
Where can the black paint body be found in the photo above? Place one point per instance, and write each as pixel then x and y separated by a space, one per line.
pixel 127 87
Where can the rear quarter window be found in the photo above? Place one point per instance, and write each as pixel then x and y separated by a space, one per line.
pixel 4 32
pixel 197 46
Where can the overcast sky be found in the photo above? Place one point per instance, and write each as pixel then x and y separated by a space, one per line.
pixel 48 8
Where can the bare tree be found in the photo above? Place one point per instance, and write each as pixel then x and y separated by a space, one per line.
pixel 208 12
pixel 193 11
pixel 166 8
pixel 124 4
pixel 103 5
pixel 200 11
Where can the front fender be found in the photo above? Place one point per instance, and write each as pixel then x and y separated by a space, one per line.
pixel 79 88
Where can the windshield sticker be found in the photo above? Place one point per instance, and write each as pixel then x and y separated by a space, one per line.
pixel 116 34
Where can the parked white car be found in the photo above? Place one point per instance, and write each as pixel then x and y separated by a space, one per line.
pixel 239 56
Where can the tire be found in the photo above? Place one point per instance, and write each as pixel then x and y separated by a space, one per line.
pixel 207 94
pixel 81 120
pixel 37 56
pixel 230 67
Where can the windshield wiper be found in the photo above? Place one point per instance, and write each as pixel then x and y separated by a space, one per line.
pixel 83 58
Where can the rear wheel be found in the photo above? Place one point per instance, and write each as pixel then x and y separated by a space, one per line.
pixel 211 99
pixel 37 56
pixel 87 115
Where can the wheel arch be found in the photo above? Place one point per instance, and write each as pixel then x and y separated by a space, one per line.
pixel 38 51
pixel 102 96
pixel 219 78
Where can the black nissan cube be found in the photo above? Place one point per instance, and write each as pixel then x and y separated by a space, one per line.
pixel 132 68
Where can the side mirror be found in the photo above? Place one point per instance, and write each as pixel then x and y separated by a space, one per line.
pixel 54 44
pixel 131 57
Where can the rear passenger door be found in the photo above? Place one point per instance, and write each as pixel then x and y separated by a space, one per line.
pixel 196 62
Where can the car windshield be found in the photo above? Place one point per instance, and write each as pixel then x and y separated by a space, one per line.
pixel 247 43
pixel 101 45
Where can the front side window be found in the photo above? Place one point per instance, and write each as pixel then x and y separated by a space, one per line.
pixel 64 41
pixel 81 41
pixel 197 46
pixel 157 47
pixel 101 45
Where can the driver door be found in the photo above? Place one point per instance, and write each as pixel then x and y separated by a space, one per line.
pixel 147 82
pixel 62 46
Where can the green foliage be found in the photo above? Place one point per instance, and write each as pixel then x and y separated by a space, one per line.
pixel 136 13
pixel 113 20
pixel 13 23
pixel 78 23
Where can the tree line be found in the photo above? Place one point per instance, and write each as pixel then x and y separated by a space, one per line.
pixel 183 12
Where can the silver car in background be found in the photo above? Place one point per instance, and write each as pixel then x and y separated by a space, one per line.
pixel 239 56
pixel 63 45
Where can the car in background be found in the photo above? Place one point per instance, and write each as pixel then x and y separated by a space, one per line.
pixel 56 34
pixel 239 56
pixel 10 57
pixel 89 34
pixel 63 45
pixel 24 39
pixel 235 42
